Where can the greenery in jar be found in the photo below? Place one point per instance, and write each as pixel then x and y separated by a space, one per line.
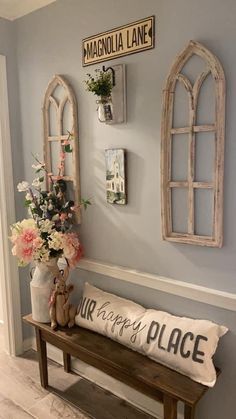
pixel 100 84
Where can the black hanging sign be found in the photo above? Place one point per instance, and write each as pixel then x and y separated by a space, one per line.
pixel 125 40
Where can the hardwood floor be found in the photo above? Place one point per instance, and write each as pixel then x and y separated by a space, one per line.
pixel 70 396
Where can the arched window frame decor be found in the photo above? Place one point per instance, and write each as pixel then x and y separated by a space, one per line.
pixel 59 106
pixel 167 131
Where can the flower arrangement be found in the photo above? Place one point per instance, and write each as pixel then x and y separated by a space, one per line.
pixel 48 233
pixel 100 84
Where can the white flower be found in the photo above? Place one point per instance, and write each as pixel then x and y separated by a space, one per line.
pixel 36 183
pixel 44 257
pixel 46 226
pixel 23 186
pixel 27 223
pixel 28 197
pixel 42 254
pixel 55 241
pixel 37 166
pixel 43 208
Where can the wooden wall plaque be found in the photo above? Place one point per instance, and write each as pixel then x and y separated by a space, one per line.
pixel 191 183
pixel 60 116
pixel 124 40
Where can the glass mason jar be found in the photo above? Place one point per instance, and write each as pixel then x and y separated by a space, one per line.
pixel 105 109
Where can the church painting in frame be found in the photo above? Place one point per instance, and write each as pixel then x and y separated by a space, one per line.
pixel 115 176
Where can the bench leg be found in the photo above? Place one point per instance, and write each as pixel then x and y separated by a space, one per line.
pixel 189 412
pixel 42 357
pixel 170 407
pixel 67 362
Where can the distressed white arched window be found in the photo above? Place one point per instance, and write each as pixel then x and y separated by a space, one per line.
pixel 60 117
pixel 192 180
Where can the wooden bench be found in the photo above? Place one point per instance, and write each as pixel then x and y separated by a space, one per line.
pixel 139 372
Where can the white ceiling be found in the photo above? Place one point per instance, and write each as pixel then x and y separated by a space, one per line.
pixel 12 9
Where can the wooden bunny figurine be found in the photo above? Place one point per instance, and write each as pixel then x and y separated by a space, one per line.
pixel 62 313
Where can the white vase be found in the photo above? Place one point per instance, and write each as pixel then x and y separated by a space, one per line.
pixel 40 289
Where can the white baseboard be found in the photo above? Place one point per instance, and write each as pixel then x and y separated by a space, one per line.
pixel 103 380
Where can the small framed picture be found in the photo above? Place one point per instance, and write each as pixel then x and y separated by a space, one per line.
pixel 116 176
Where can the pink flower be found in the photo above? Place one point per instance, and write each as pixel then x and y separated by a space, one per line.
pixel 28 236
pixel 23 253
pixel 66 142
pixel 62 155
pixel 72 249
pixel 25 238
pixel 75 260
pixel 14 238
pixel 27 254
pixel 63 216
pixel 37 243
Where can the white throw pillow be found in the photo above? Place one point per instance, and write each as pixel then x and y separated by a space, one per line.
pixel 184 344
pixel 111 316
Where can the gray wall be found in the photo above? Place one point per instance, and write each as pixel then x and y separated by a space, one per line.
pixel 49 42
pixel 8 48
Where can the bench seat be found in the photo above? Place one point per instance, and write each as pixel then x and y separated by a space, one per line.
pixel 132 368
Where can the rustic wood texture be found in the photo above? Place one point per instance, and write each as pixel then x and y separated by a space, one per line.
pixel 68 397
pixel 189 412
pixel 67 362
pixel 214 68
pixel 148 377
pixel 59 107
pixel 42 358
pixel 170 407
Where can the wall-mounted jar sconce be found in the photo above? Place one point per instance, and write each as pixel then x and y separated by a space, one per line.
pixel 105 106
pixel 109 85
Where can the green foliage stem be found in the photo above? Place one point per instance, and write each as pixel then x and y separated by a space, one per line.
pixel 101 84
